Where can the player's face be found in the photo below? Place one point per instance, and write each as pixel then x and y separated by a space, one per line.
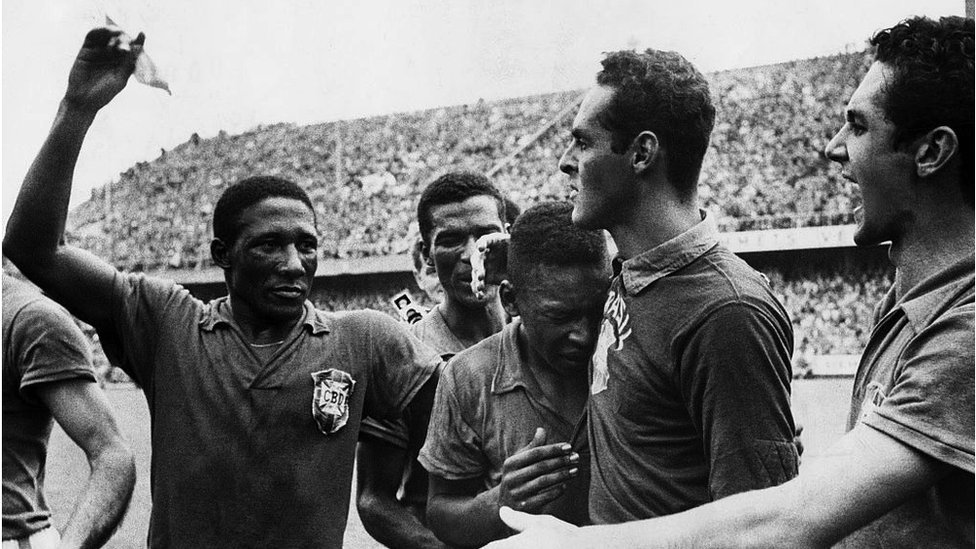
pixel 456 228
pixel 561 313
pixel 864 147
pixel 601 178
pixel 273 260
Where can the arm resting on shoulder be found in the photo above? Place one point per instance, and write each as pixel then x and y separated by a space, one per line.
pixel 83 411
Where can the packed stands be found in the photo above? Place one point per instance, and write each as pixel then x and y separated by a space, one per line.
pixel 765 168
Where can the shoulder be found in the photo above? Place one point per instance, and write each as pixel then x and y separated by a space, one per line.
pixel 471 371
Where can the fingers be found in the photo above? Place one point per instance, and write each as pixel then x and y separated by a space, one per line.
pixel 110 45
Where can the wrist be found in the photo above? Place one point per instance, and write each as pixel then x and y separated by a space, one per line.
pixel 75 110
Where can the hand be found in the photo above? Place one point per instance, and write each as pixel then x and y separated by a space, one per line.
pixel 535 532
pixel 537 474
pixel 102 68
pixel 489 265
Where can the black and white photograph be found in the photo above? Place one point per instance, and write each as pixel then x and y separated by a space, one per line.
pixel 512 274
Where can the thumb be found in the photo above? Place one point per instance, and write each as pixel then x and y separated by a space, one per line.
pixel 517 520
pixel 538 439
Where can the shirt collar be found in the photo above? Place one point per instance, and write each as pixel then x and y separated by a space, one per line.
pixel 640 271
pixel 934 295
pixel 509 374
pixel 218 312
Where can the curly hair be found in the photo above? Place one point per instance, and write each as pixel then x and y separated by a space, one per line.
pixel 451 188
pixel 662 92
pixel 932 84
pixel 545 235
pixel 247 192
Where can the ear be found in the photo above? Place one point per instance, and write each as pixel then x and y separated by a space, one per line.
pixel 506 292
pixel 646 151
pixel 936 148
pixel 220 253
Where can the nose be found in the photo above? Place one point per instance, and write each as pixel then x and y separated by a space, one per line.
pixel 583 332
pixel 470 248
pixel 836 150
pixel 567 162
pixel 291 261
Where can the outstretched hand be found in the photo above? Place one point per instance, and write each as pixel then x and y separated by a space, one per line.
pixel 102 68
pixel 534 531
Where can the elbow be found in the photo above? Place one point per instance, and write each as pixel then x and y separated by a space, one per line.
pixel 117 463
pixel 370 507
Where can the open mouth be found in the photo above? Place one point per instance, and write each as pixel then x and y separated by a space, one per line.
pixel 573 193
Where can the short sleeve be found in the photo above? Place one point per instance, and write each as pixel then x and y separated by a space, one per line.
pixel 50 347
pixel 391 431
pixel 400 365
pixel 142 308
pixel 453 448
pixel 735 376
pixel 930 405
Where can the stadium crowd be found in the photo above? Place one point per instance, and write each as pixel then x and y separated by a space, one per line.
pixel 764 170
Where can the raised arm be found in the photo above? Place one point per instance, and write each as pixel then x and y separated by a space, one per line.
pixel 35 233
pixel 82 410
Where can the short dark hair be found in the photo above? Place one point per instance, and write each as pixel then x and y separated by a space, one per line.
pixel 932 84
pixel 246 193
pixel 512 211
pixel 662 92
pixel 545 235
pixel 451 188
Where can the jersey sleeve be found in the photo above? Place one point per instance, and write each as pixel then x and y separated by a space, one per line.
pixel 390 431
pixel 930 405
pixel 142 308
pixel 399 366
pixel 735 376
pixel 50 347
pixel 453 449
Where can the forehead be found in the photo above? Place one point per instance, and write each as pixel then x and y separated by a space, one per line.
pixel 276 213
pixel 594 103
pixel 870 93
pixel 567 286
pixel 474 211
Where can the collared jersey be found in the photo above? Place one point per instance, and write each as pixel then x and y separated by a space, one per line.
pixel 915 384
pixel 249 452
pixel 41 344
pixel 690 383
pixel 487 408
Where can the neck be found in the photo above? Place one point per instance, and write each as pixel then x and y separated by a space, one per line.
pixel 260 331
pixel 471 325
pixel 931 245
pixel 656 218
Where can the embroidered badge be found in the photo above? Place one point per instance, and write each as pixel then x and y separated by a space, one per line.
pixel 613 331
pixel 330 399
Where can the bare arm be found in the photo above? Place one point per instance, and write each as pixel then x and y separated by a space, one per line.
pixel 82 410
pixel 867 474
pixel 379 469
pixel 34 239
pixel 462 513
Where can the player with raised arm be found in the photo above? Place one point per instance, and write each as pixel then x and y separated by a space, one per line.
pixel 255 397
pixel 902 476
